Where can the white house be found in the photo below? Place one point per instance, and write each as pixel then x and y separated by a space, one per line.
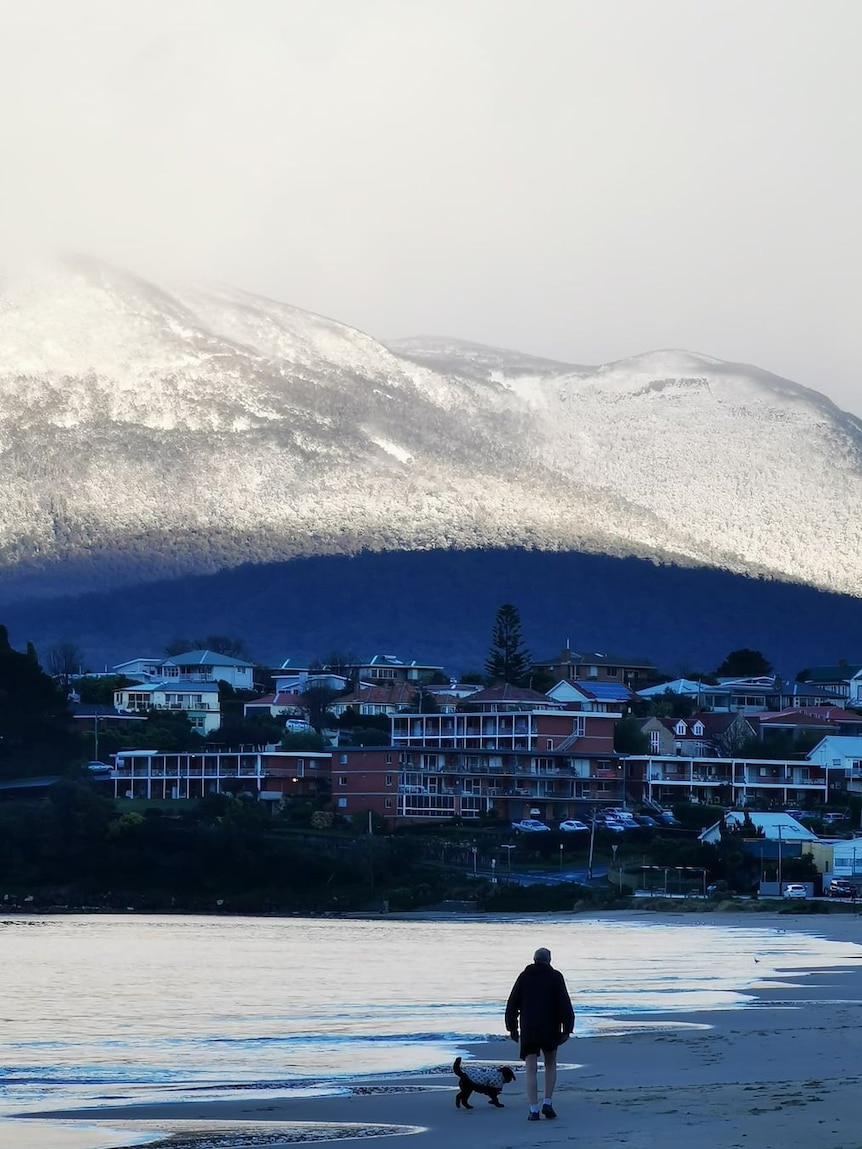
pixel 776 827
pixel 841 758
pixel 192 666
pixel 199 700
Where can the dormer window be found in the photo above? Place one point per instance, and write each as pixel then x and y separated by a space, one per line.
pixel 697 729
pixel 680 728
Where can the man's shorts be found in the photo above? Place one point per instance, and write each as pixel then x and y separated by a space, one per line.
pixel 533 1048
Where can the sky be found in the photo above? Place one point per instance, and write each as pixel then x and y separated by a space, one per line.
pixel 581 179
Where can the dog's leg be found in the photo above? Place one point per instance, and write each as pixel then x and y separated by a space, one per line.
pixel 494 1099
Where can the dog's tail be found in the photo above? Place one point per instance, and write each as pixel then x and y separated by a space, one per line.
pixel 456 1067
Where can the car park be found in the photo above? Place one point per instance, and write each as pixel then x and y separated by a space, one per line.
pixel 573 826
pixel 795 890
pixel 840 888
pixel 529 826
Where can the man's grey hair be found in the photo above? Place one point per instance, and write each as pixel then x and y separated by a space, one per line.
pixel 542 955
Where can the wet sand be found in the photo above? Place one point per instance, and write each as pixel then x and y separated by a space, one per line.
pixel 785 1073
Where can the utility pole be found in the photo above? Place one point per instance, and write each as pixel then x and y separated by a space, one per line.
pixel 370 850
pixel 592 844
pixel 779 860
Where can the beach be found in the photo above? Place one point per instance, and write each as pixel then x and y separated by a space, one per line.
pixel 784 1072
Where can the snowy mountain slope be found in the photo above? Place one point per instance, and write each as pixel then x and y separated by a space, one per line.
pixel 146 431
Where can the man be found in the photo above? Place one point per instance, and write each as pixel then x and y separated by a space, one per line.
pixel 539 1009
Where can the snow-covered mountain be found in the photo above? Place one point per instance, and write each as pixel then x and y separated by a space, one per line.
pixel 145 431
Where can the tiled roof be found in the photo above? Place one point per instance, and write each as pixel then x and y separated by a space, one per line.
pixel 505 692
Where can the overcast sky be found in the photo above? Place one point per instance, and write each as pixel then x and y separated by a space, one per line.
pixel 583 179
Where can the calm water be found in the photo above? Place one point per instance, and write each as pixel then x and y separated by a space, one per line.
pixel 108 1009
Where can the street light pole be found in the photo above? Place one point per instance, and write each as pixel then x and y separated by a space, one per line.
pixel 592 844
pixel 561 857
pixel 475 858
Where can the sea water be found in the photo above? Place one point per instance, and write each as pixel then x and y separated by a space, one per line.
pixel 104 1010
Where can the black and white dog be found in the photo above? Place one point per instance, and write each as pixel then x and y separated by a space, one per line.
pixel 485 1079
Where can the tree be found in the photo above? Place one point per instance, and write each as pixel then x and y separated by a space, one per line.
pixel 629 738
pixel 744 663
pixel 217 643
pixel 508 659
pixel 315 703
pixel 36 734
pixel 64 660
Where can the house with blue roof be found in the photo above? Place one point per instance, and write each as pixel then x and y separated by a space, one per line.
pixel 595 697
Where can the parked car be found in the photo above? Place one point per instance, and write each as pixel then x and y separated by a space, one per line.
pixel 602 822
pixel 573 826
pixel 529 826
pixel 795 890
pixel 668 818
pixel 618 815
pixel 645 820
pixel 840 888
pixel 831 818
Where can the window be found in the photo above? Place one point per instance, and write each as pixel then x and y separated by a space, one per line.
pixel 343 760
pixel 388 759
pixel 549 744
pixel 388 804
pixel 342 779
pixel 612 671
pixel 579 726
pixel 697 729
pixel 342 802
pixel 388 779
pixel 654 741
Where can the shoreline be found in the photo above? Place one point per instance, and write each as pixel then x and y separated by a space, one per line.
pixel 778 1072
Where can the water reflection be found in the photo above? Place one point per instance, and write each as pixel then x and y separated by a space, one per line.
pixel 130 1008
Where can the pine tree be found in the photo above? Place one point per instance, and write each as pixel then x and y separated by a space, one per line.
pixel 508 659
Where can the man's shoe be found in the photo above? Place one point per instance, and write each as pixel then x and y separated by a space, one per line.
pixel 548 1110
pixel 531 1116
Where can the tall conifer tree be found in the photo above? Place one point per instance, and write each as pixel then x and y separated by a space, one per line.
pixel 508 659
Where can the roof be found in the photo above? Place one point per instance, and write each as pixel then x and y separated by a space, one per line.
pixel 713 723
pixel 384 694
pixel 677 686
pixel 604 691
pixel 838 746
pixel 827 717
pixel 595 658
pixel 172 686
pixel 205 658
pixel 505 692
pixel 771 824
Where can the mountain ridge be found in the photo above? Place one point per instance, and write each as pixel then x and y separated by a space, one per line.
pixel 147 429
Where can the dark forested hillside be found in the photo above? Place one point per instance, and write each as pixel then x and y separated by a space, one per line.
pixel 439 606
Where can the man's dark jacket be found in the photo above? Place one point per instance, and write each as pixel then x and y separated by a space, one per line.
pixel 539 1006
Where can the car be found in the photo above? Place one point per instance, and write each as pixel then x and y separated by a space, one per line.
pixel 840 888
pixel 645 820
pixel 831 818
pixel 668 818
pixel 602 822
pixel 624 816
pixel 795 890
pixel 529 826
pixel 573 826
